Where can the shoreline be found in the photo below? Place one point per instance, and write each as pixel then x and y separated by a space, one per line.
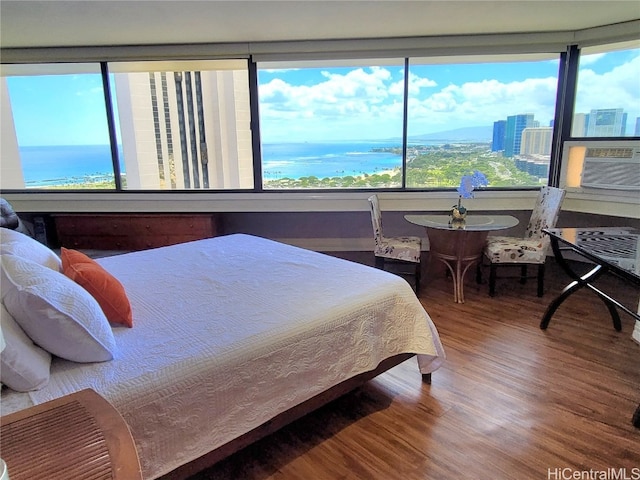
pixel 86 181
pixel 108 182
pixel 360 176
pixel 379 179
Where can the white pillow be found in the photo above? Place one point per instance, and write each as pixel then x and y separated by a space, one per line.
pixel 23 365
pixel 21 245
pixel 55 312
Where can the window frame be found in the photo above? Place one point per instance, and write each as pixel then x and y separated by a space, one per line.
pixel 603 47
pixel 569 60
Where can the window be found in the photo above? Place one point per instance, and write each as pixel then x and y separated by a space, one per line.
pixel 331 124
pixel 608 93
pixel 375 123
pixel 179 126
pixel 183 125
pixel 491 114
pixel 59 137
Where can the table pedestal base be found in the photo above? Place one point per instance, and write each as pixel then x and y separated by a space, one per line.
pixel 458 250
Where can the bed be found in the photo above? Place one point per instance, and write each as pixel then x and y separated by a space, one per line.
pixel 235 336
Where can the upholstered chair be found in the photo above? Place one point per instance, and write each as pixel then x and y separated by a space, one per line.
pixel 402 250
pixel 533 247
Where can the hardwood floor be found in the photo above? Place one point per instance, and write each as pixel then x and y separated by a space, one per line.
pixel 511 401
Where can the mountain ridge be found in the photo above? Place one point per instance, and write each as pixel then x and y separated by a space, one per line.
pixel 476 134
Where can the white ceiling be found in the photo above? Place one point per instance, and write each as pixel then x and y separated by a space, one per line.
pixel 26 23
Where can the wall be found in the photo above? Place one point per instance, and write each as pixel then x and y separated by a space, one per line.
pixel 352 231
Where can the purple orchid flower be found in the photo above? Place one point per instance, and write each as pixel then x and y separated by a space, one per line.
pixel 469 182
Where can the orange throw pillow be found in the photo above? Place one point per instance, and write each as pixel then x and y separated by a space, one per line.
pixel 104 287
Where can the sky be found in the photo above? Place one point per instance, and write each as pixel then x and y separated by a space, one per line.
pixel 74 114
pixel 316 104
pixel 352 103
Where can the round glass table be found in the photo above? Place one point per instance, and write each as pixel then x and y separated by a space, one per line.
pixel 460 244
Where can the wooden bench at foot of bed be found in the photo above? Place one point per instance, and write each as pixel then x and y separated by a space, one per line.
pixel 78 436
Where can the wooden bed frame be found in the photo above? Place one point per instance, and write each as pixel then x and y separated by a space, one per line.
pixel 285 418
pixel 217 452
pixel 107 442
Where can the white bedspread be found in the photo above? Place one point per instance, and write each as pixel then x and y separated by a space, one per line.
pixel 230 331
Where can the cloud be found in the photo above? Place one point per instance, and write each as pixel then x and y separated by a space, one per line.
pixel 367 102
pixel 343 103
pixel 590 59
pixel 417 83
pixel 481 103
pixel 617 88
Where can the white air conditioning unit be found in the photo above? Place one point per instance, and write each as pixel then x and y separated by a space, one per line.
pixel 602 177
pixel 611 168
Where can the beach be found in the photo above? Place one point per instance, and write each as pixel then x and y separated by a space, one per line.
pixel 83 166
pixel 327 160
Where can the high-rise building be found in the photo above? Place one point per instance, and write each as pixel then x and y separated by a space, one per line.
pixel 636 133
pixel 536 141
pixel 579 125
pixel 185 130
pixel 499 129
pixel 607 122
pixel 513 132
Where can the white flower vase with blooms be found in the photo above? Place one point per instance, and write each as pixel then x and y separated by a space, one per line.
pixel 467 184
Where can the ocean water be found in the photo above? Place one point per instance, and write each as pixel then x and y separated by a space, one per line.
pixel 296 160
pixel 55 165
